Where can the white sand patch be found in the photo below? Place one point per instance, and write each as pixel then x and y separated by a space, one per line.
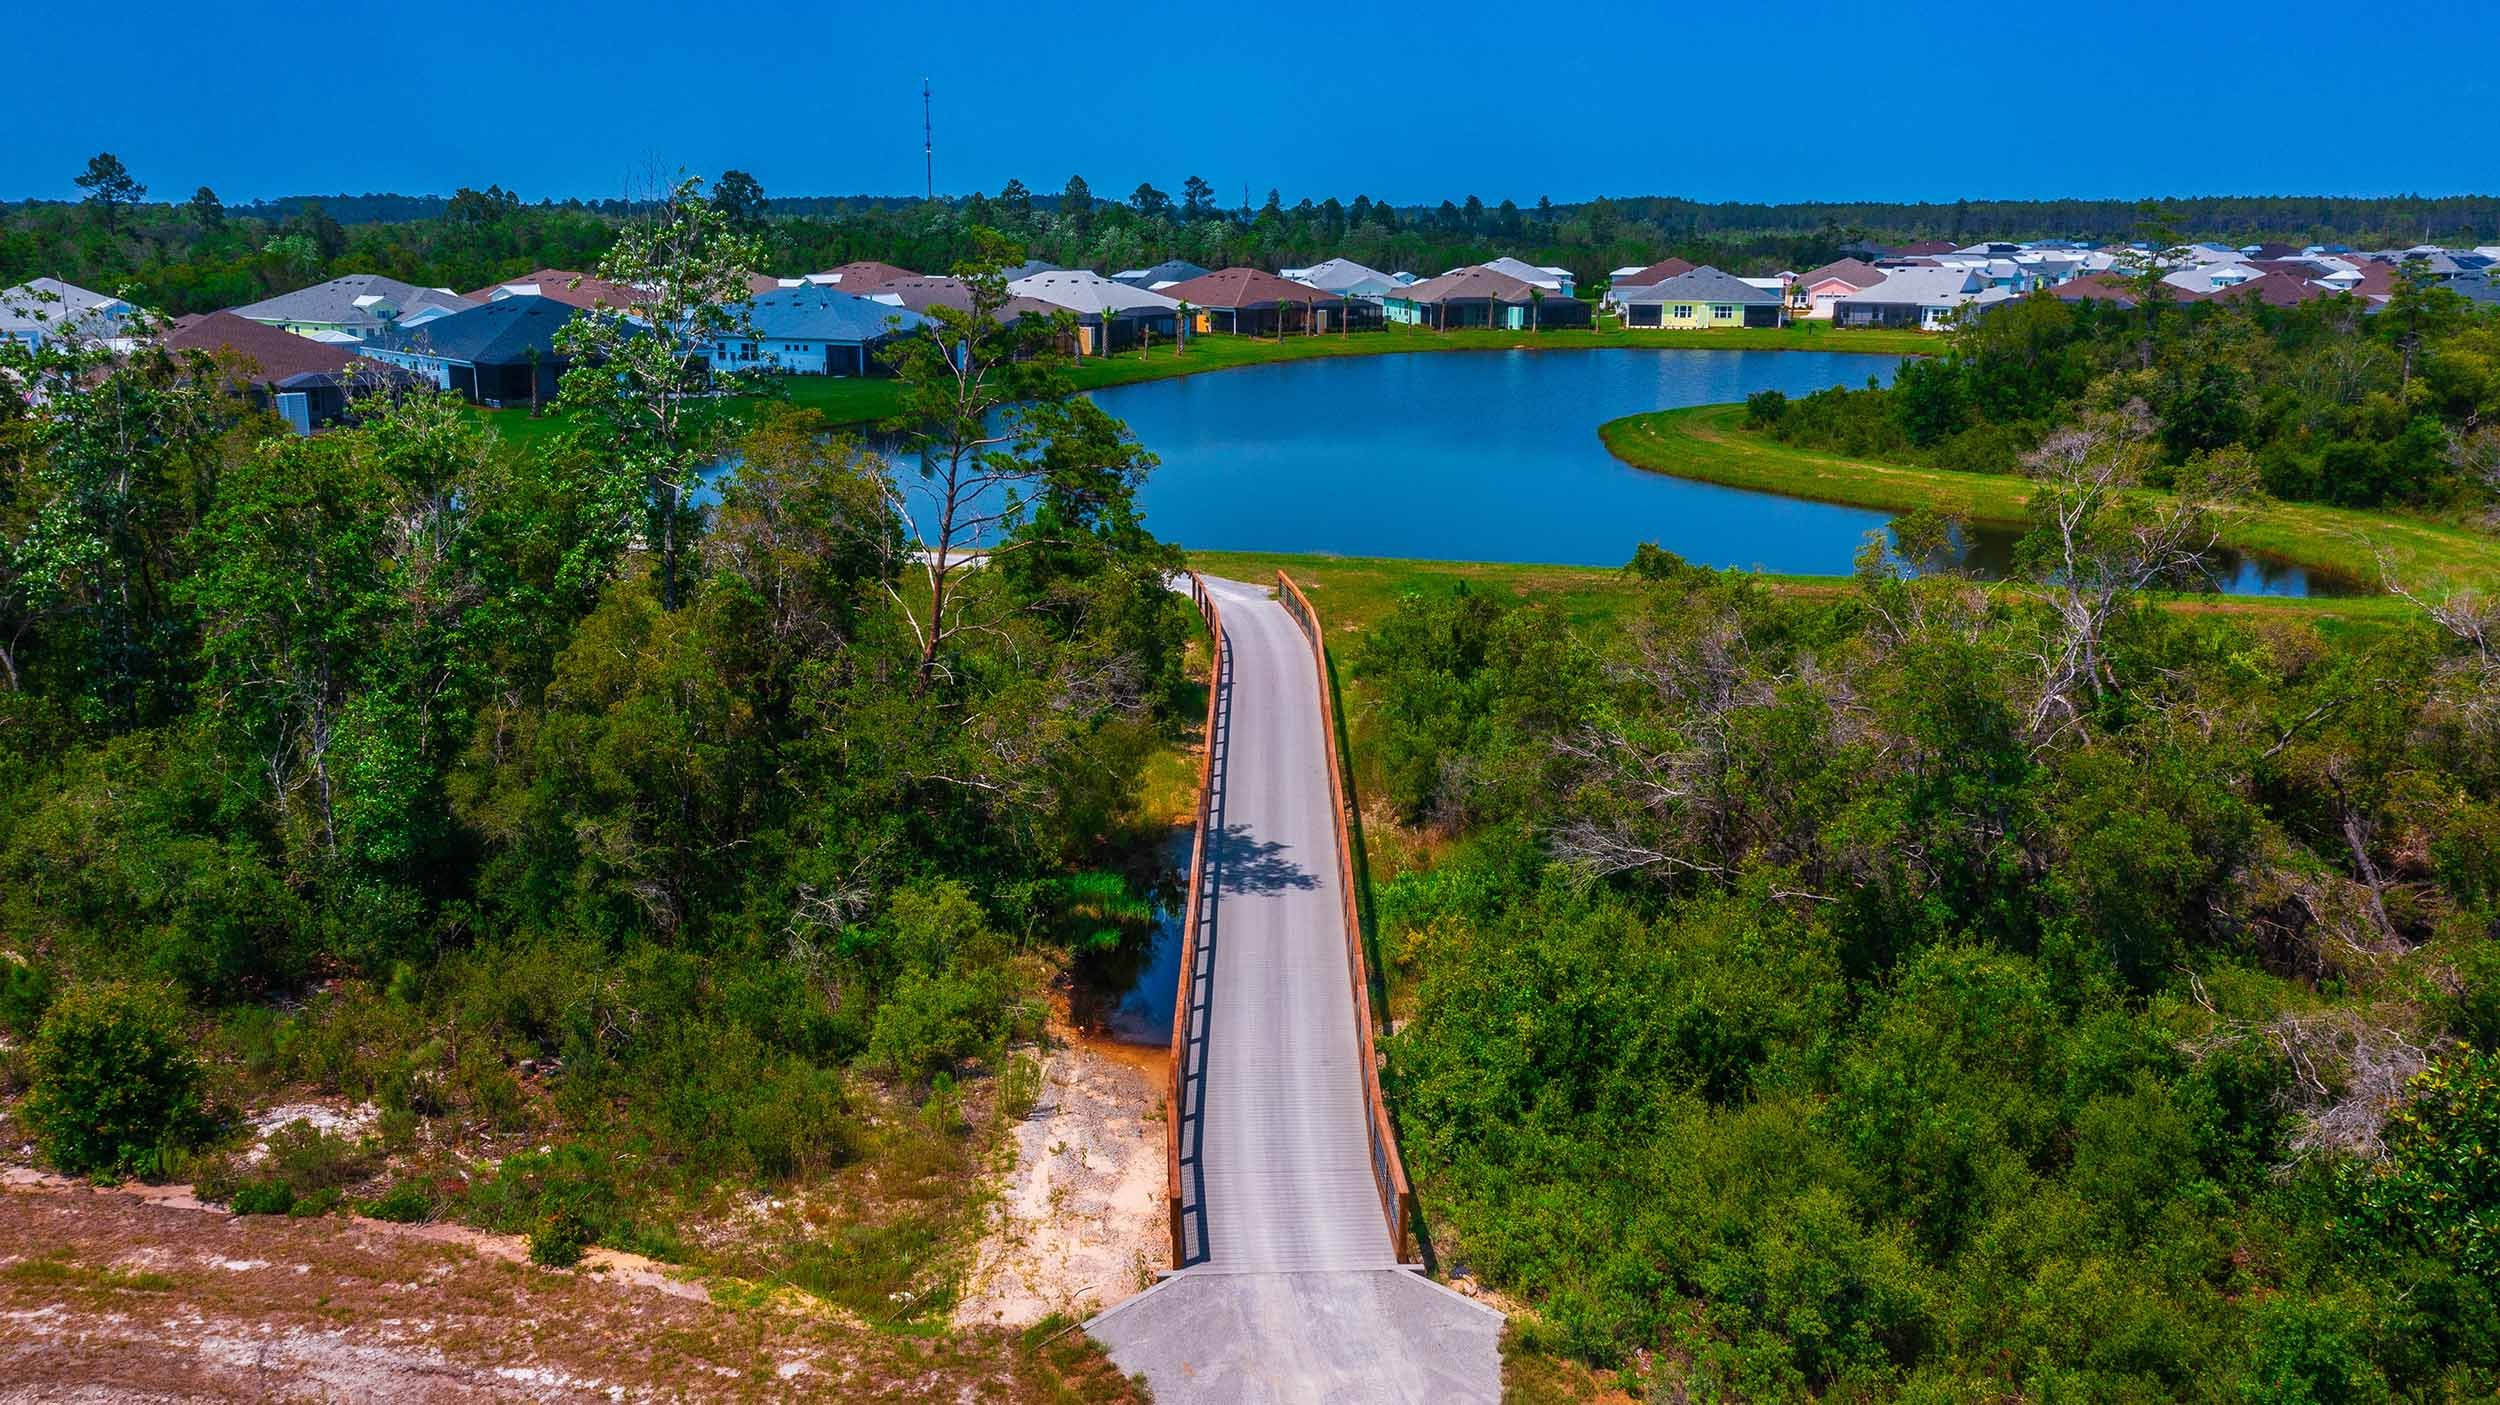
pixel 1078 1223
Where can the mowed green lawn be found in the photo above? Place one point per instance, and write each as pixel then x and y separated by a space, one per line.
pixel 852 400
pixel 1711 444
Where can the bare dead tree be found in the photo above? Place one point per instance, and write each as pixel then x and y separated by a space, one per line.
pixel 2099 542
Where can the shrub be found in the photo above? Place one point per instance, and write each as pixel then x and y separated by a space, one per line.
pixel 560 1238
pixel 25 993
pixel 401 1204
pixel 315 1205
pixel 310 1159
pixel 1764 408
pixel 262 1198
pixel 114 1083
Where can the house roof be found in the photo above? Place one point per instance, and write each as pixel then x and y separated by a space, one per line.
pixel 1704 284
pixel 492 334
pixel 2274 289
pixel 1857 273
pixel 2097 287
pixel 921 292
pixel 814 313
pixel 860 275
pixel 1473 284
pixel 1654 274
pixel 559 284
pixel 1343 275
pixel 1168 271
pixel 1921 287
pixel 272 351
pixel 1244 287
pixel 1089 294
pixel 1550 279
pixel 1925 248
pixel 49 305
pixel 352 300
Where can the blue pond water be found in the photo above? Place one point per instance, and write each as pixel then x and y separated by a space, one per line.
pixel 1494 456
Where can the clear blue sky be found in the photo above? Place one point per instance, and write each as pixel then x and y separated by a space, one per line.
pixel 1412 103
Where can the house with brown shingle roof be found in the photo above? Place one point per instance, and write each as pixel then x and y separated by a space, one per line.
pixel 860 276
pixel 564 286
pixel 1814 291
pixel 1253 303
pixel 309 383
pixel 1482 297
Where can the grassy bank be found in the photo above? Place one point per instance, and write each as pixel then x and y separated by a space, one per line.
pixel 1711 444
pixel 851 400
pixel 1352 592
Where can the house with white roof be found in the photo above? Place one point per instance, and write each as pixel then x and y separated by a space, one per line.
pixel 1346 278
pixel 1551 279
pixel 1109 315
pixel 45 310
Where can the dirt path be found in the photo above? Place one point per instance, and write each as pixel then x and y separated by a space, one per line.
pixel 107 1296
pixel 1078 1223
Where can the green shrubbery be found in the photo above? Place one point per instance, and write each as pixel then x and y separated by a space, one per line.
pixel 1789 1009
pixel 115 1085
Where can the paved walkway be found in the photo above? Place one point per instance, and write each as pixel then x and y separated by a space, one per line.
pixel 1292 1290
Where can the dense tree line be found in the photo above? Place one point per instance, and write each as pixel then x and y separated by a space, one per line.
pixel 2325 401
pixel 398 763
pixel 1856 998
pixel 195 255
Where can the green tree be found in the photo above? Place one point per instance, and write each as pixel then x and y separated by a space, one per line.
pixel 109 186
pixel 740 199
pixel 640 380
pixel 208 209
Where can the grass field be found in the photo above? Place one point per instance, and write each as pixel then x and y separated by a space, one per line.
pixel 1711 444
pixel 852 400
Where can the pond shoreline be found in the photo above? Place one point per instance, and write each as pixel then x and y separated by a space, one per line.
pixel 1703 444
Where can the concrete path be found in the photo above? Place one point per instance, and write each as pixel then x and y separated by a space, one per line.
pixel 1292 1291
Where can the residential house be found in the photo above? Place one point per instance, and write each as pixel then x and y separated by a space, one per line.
pixel 1925 248
pixel 920 292
pixel 308 383
pixel 1347 277
pixel 1109 315
pixel 1546 276
pixel 1705 298
pixel 1480 296
pixel 358 305
pixel 811 331
pixel 860 276
pixel 1928 299
pixel 563 285
pixel 1252 303
pixel 2204 278
pixel 2274 289
pixel 497 353
pixel 1160 276
pixel 44 310
pixel 1814 292
pixel 1633 280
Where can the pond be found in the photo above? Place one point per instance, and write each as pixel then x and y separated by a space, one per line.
pixel 1494 456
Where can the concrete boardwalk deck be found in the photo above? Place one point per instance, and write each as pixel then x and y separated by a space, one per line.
pixel 1292 1290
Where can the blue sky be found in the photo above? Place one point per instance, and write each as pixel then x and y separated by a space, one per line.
pixel 1744 102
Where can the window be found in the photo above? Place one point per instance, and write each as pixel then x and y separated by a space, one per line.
pixel 1722 310
pixel 1684 311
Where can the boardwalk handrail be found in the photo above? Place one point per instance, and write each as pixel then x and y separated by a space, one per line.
pixel 1397 1198
pixel 1190 903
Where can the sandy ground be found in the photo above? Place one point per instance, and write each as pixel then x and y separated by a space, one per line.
pixel 115 1296
pixel 1078 1223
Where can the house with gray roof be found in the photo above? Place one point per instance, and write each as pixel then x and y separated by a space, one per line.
pixel 1546 276
pixel 495 354
pixel 1927 299
pixel 1703 299
pixel 43 310
pixel 812 330
pixel 1482 296
pixel 361 305
pixel 1162 275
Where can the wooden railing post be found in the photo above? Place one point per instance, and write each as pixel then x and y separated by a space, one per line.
pixel 1175 1088
pixel 1397 1200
